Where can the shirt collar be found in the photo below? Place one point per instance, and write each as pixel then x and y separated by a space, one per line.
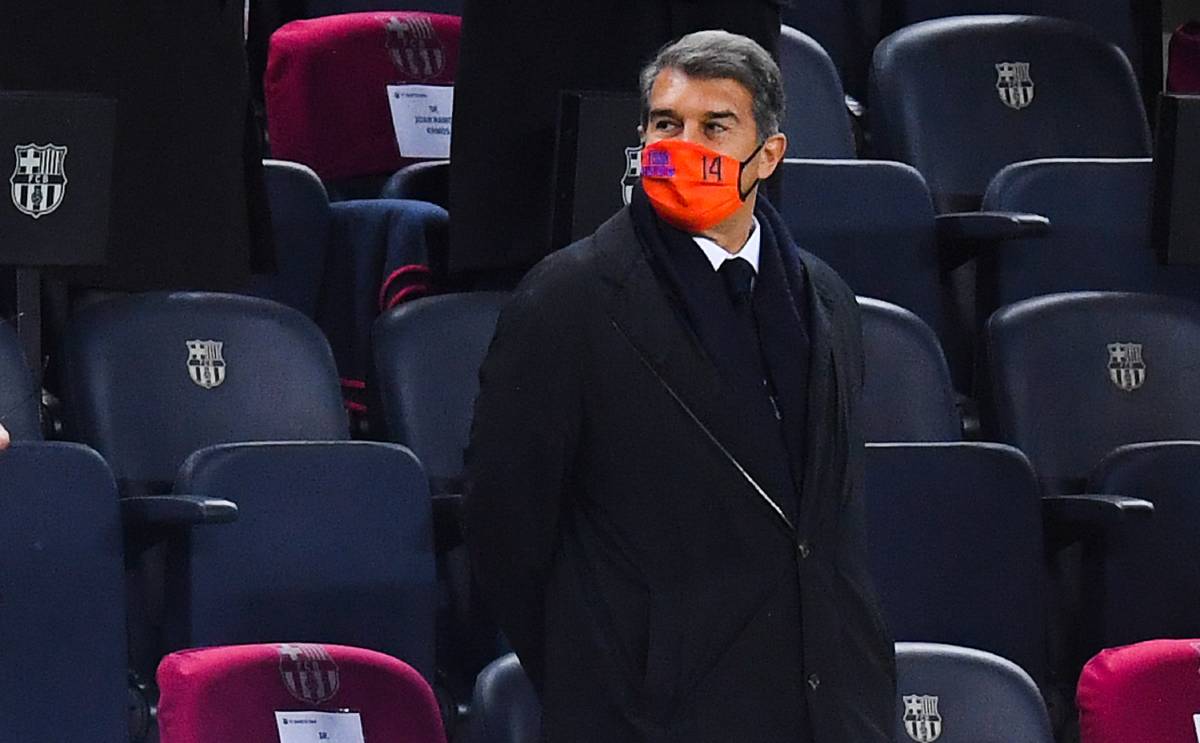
pixel 717 255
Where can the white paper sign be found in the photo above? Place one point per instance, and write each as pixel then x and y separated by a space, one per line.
pixel 421 117
pixel 319 727
pixel 1196 722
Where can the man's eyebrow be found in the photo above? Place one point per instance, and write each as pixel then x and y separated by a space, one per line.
pixel 711 115
pixel 668 112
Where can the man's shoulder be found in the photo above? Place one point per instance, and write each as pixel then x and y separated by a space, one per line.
pixel 581 267
pixel 826 282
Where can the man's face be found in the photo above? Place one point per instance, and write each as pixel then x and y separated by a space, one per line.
pixel 717 113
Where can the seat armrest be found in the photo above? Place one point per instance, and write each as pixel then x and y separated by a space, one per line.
pixel 1093 513
pixel 961 235
pixel 173 510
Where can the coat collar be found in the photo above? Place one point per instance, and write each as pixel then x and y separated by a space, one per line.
pixel 647 312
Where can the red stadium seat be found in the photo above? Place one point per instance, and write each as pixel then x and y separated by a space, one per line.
pixel 231 694
pixel 1143 693
pixel 1183 67
pixel 326 86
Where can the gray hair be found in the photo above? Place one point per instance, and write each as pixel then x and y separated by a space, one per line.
pixel 713 55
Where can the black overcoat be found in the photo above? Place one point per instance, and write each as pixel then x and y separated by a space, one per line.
pixel 648 588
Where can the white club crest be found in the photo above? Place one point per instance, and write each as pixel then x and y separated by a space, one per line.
pixel 308 672
pixel 633 171
pixel 415 48
pixel 1014 84
pixel 1126 368
pixel 205 364
pixel 38 180
pixel 921 718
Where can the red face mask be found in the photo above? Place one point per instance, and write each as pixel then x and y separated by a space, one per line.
pixel 690 186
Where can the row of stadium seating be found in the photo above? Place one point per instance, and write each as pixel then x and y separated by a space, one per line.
pixel 332 540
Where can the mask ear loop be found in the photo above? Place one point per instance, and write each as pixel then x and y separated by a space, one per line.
pixel 742 166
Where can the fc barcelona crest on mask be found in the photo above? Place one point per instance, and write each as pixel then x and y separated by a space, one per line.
pixel 415 48
pixel 1014 84
pixel 1126 369
pixel 308 672
pixel 205 364
pixel 39 181
pixel 921 718
pixel 633 171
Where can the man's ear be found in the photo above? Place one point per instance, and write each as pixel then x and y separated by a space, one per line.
pixel 773 150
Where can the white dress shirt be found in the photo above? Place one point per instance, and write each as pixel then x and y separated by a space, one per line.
pixel 717 255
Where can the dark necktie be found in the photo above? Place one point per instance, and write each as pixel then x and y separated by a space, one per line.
pixel 739 281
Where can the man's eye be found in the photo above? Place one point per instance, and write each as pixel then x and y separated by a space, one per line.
pixel 663 124
pixel 714 128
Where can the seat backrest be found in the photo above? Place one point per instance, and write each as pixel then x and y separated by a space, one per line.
pixel 1141 693
pixel 423 181
pixel 427 354
pixel 148 379
pixel 1149 580
pixel 1099 240
pixel 249 684
pixel 959 98
pixel 1183 59
pixel 326 86
pixel 333 543
pixel 1112 19
pixel 333 7
pixel 300 228
pixel 975 574
pixel 19 399
pixel 1073 376
pixel 62 586
pixel 959 695
pixel 505 708
pixel 848 31
pixel 899 346
pixel 816 120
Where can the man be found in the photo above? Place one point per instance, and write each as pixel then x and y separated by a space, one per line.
pixel 664 496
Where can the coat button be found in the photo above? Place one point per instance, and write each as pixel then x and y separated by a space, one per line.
pixel 814 681
pixel 804 550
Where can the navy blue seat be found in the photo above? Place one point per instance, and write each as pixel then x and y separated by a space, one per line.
pixel 907 394
pixel 873 222
pixel 1099 238
pixel 1112 19
pixel 955 547
pixel 1073 376
pixel 959 695
pixel 428 180
pixel 960 98
pixel 300 229
pixel 19 399
pixel 1149 581
pixel 62 606
pixel 333 543
pixel 846 29
pixel 427 355
pixel 816 120
pixel 149 379
pixel 505 707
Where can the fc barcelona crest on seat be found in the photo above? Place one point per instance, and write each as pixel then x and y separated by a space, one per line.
pixel 415 48
pixel 633 171
pixel 205 364
pixel 1126 368
pixel 921 719
pixel 38 180
pixel 1014 84
pixel 308 672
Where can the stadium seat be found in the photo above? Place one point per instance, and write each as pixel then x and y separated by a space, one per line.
pixel 326 90
pixel 240 694
pixel 151 378
pixel 333 543
pixel 959 695
pixel 427 355
pixel 1143 693
pixel 1099 236
pixel 300 228
pixel 1148 583
pixel 505 708
pixel 424 181
pixel 20 400
pixel 899 346
pixel 956 548
pixel 1111 19
pixel 1183 66
pixel 62 611
pixel 1073 376
pixel 817 122
pixel 333 7
pixel 848 31
pixel 960 98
